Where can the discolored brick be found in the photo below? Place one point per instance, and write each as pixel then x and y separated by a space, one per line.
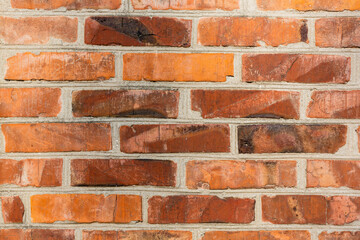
pixel 200 209
pixel 309 5
pixel 245 103
pixel 37 234
pixel 61 66
pixel 185 5
pixel 178 67
pixel 12 209
pixel 340 236
pixel 296 68
pixel 30 102
pixel 138 31
pixel 251 32
pixel 236 175
pixel 68 4
pixel 174 138
pixel 276 138
pixel 125 103
pixel 85 208
pixel 137 234
pixel 257 235
pixel 343 210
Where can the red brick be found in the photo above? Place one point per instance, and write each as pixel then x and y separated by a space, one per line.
pixel 61 66
pixel 251 32
pixel 38 30
pixel 338 32
pixel 57 137
pixel 69 4
pixel 340 236
pixel 333 173
pixel 178 67
pixel 283 209
pixel 31 172
pixel 309 5
pixel 185 5
pixel 257 235
pixel 173 138
pixel 125 103
pixel 335 104
pixel 122 172
pixel 137 234
pixel 37 234
pixel 12 209
pixel 276 138
pixel 245 103
pixel 296 68
pixel 343 210
pixel 235 174
pixel 138 31
pixel 85 208
pixel 30 102
pixel 200 209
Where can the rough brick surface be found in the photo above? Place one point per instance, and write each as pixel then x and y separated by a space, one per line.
pixel 138 31
pixel 37 234
pixel 200 209
pixel 85 208
pixel 65 66
pixel 179 67
pixel 259 235
pixel 132 235
pixel 31 172
pixel 296 68
pixel 339 236
pixel 30 102
pixel 338 32
pixel 69 4
pixel 275 138
pixel 343 210
pixel 251 32
pixel 245 103
pixel 309 5
pixel 249 174
pixel 122 172
pixel 174 138
pixel 125 103
pixel 333 173
pixel 38 30
pixel 57 137
pixel 12 209
pixel 185 5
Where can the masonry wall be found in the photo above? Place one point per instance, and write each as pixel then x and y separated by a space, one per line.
pixel 180 120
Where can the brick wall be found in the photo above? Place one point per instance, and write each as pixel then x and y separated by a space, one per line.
pixel 180 120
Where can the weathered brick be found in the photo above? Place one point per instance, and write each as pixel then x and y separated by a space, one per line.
pixel 309 5
pixel 68 4
pixel 137 234
pixel 30 102
pixel 257 235
pixel 12 209
pixel 125 103
pixel 174 138
pixel 185 5
pixel 338 32
pixel 138 31
pixel 31 172
pixel 296 209
pixel 85 208
pixel 333 173
pixel 37 30
pixel 340 236
pixel 57 137
pixel 246 103
pixel 343 210
pixel 251 32
pixel 276 138
pixel 61 66
pixel 179 67
pixel 37 234
pixel 200 209
pixel 296 68
pixel 335 104
pixel 235 174
pixel 122 172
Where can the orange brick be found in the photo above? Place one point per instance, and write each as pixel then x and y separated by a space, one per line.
pixel 185 4
pixel 12 209
pixel 179 67
pixel 340 236
pixel 68 4
pixel 259 235
pixel 137 234
pixel 37 234
pixel 309 5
